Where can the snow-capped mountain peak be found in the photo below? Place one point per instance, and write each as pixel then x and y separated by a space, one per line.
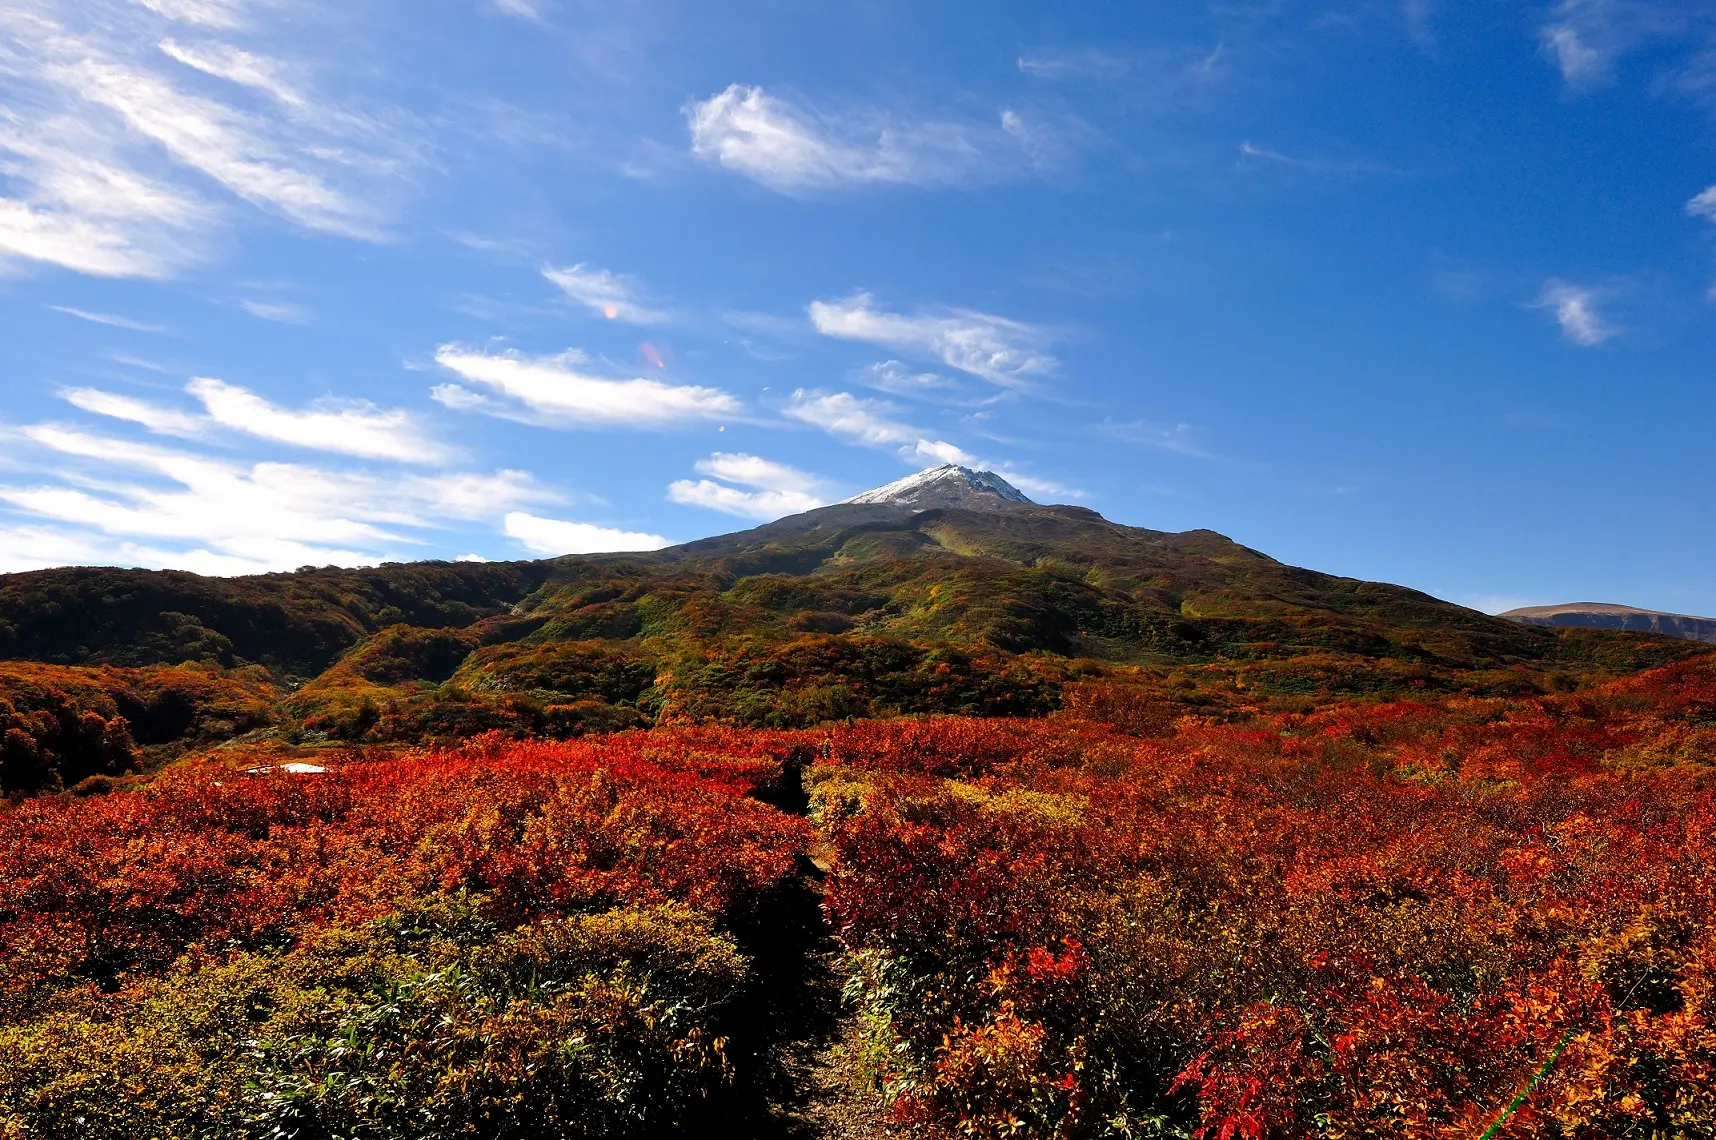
pixel 949 485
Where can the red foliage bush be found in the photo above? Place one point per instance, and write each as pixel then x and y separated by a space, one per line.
pixel 1366 920
pixel 1376 920
pixel 208 856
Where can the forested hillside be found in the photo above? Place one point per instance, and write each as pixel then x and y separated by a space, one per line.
pixel 849 611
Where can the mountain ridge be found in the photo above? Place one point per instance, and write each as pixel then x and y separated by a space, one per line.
pixel 1610 615
pixel 981 605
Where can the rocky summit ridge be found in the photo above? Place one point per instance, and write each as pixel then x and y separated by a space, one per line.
pixel 949 485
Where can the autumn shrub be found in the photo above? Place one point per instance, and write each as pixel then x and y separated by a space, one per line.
pixel 428 1024
pixel 501 939
pixel 1336 919
pixel 1377 920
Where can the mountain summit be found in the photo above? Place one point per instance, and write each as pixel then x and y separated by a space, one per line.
pixel 949 485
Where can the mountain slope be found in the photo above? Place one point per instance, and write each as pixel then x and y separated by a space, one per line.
pixel 950 594
pixel 1604 615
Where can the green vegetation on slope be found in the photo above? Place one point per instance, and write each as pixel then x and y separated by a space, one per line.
pixel 842 612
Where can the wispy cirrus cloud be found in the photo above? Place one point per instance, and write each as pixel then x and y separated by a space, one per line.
pixel 1007 353
pixel 1703 205
pixel 1043 490
pixel 280 312
pixel 1181 438
pixel 109 319
pixel 558 390
pixel 106 500
pixel 608 294
pixel 1075 63
pixel 522 9
pixel 350 427
pixel 896 379
pixel 872 423
pixel 247 69
pixel 792 149
pixel 224 15
pixel 1584 38
pixel 346 427
pixel 1250 152
pixel 220 142
pixel 1575 308
pixel 152 417
pixel 749 486
pixel 124 147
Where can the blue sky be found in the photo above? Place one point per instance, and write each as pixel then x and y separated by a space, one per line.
pixel 1411 291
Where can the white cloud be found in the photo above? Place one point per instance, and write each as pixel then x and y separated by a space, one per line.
pixel 937 451
pixel 851 417
pixel 1086 63
pixel 1040 489
pixel 766 505
pixel 1580 63
pixel 107 319
pixel 1004 352
pixel 602 292
pixel 219 141
pixel 282 312
pixel 244 68
pixel 895 378
pixel 554 389
pixel 1704 205
pixel 86 241
pixel 113 160
pixel 1585 37
pixel 792 150
pixel 557 536
pixel 345 426
pixel 161 421
pixel 112 501
pixel 38 548
pixel 138 362
pixel 222 14
pixel 457 399
pixel 755 471
pixel 523 9
pixel 82 204
pixel 869 422
pixel 1575 309
pixel 777 489
pixel 1181 439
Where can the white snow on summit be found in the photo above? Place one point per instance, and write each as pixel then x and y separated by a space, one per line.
pixel 948 485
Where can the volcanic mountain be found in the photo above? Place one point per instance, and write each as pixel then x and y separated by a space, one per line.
pixel 948 591
pixel 947 486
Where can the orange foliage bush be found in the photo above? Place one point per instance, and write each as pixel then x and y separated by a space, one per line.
pixel 206 856
pixel 1374 920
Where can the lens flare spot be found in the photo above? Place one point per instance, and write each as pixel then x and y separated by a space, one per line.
pixel 610 311
pixel 652 354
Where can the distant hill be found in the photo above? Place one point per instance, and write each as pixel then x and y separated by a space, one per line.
pixel 1603 615
pixel 947 592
